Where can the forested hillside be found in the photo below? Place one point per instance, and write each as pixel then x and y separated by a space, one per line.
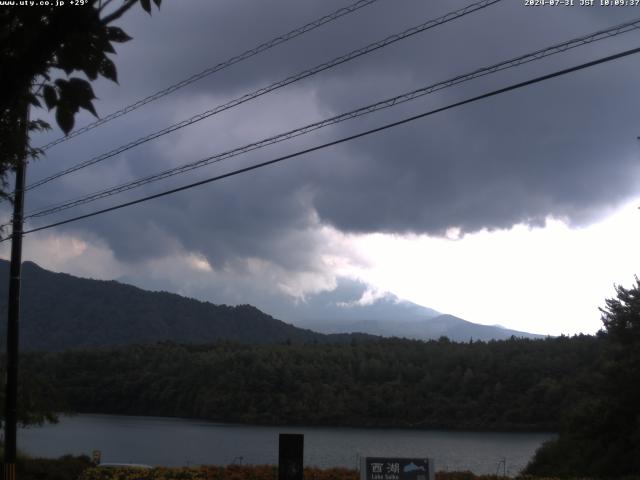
pixel 60 311
pixel 514 384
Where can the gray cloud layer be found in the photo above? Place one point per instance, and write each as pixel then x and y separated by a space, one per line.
pixel 565 148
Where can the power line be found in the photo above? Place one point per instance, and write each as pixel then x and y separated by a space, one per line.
pixel 383 104
pixel 216 68
pixel 274 86
pixel 341 140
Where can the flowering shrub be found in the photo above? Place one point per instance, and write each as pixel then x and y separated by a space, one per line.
pixel 231 472
pixel 255 472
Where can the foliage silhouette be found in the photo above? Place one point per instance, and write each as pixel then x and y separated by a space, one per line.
pixel 39 47
pixel 601 435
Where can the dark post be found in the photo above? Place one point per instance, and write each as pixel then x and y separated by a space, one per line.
pixel 13 321
pixel 290 456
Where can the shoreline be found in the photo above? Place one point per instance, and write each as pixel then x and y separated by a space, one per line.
pixel 353 426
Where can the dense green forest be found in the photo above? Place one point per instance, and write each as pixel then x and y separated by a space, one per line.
pixel 514 384
pixel 600 434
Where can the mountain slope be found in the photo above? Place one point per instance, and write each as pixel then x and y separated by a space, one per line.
pixel 343 310
pixel 61 311
pixel 353 307
pixel 433 328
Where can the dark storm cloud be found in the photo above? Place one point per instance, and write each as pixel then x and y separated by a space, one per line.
pixel 565 148
pixel 511 160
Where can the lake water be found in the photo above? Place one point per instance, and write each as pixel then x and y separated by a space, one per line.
pixel 182 442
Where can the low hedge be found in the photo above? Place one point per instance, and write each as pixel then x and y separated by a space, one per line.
pixel 81 468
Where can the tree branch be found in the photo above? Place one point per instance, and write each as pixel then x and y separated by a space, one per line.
pixel 104 4
pixel 119 12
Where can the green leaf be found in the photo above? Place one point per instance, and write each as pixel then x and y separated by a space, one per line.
pixel 146 6
pixel 108 69
pixel 81 88
pixel 116 34
pixel 88 105
pixel 50 96
pixel 38 125
pixel 64 117
pixel 74 94
pixel 35 153
pixel 92 66
pixel 33 100
pixel 157 2
pixel 67 58
pixel 107 47
pixel 63 64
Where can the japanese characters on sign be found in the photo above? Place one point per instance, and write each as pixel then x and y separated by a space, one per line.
pixel 386 468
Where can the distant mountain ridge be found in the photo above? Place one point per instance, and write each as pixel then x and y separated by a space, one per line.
pixel 351 307
pixel 427 328
pixel 60 311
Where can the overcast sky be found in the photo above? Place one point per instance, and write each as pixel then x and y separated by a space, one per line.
pixel 519 210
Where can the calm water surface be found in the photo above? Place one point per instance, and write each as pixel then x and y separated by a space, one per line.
pixel 179 442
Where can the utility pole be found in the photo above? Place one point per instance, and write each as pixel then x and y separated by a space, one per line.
pixel 13 321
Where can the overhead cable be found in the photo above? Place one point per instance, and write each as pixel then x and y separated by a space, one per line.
pixel 383 104
pixel 216 68
pixel 339 141
pixel 274 86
